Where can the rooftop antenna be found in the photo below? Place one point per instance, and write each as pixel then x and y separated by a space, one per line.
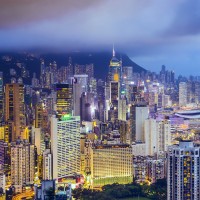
pixel 113 50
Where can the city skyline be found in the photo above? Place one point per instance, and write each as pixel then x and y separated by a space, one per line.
pixel 152 33
pixel 99 99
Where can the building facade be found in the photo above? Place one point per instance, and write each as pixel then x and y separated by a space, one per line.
pixel 183 171
pixel 65 146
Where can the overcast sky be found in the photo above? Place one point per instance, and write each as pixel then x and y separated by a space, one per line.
pixel 151 32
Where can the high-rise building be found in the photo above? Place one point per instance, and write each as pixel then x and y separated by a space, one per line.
pixel 64 99
pixel 15 108
pixel 42 73
pixel 109 164
pixel 123 131
pixel 80 85
pixel 4 156
pixel 39 115
pixel 139 112
pixel 122 109
pixel 70 68
pixel 1 97
pixel 79 69
pixel 114 98
pixel 65 145
pixel 127 73
pixel 183 171
pixel 157 136
pixel 183 94
pixel 155 169
pixel 47 165
pixel 197 92
pixel 89 70
pixel 22 164
pixel 114 69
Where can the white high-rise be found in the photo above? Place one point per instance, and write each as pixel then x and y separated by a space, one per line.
pixel 157 136
pixel 65 146
pixel 47 165
pixel 183 172
pixel 142 113
pixel 182 94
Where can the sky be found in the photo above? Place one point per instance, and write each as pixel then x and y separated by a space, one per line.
pixel 150 32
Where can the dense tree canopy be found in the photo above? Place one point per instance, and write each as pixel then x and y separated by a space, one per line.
pixel 116 191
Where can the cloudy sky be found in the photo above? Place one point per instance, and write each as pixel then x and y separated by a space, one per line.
pixel 151 32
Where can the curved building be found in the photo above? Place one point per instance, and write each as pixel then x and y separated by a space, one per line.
pixel 188 114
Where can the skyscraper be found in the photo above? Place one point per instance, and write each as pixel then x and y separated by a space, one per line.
pixel 183 171
pixel 114 69
pixel 114 98
pixel 80 85
pixel 15 108
pixel 157 136
pixel 1 97
pixel 65 146
pixel 182 94
pixel 139 112
pixel 22 164
pixel 64 99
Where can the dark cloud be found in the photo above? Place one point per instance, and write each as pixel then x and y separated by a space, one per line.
pixel 151 31
pixel 23 12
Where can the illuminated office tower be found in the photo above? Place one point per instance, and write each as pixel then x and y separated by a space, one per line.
pixel 183 171
pixel 122 110
pixel 110 164
pixel 87 107
pixel 123 130
pixel 6 131
pixel 22 164
pixel 139 112
pixel 114 69
pixel 65 146
pixel 132 93
pixel 182 94
pixel 64 99
pixel 15 108
pixel 4 156
pixel 1 97
pixel 114 98
pixel 80 85
pixel 38 115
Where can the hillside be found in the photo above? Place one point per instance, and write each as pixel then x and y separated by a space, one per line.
pixel 25 64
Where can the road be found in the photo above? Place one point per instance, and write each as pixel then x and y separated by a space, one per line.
pixel 23 195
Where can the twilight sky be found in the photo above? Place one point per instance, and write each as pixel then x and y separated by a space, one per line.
pixel 151 32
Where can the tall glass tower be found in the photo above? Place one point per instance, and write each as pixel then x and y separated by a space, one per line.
pixel 115 69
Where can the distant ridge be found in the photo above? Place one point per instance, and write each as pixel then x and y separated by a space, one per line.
pixel 32 62
pixel 100 60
